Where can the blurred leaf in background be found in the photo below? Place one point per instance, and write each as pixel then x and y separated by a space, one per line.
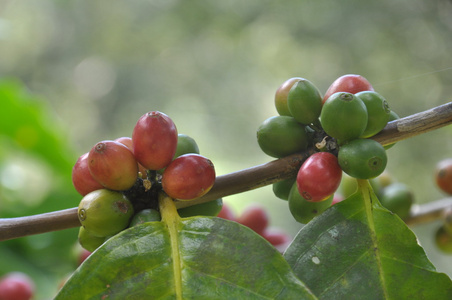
pixel 35 177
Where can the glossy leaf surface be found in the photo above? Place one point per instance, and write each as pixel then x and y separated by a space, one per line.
pixel 359 250
pixel 207 258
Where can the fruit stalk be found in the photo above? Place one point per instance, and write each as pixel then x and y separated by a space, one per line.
pixel 253 178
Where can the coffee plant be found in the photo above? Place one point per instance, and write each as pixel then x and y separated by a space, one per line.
pixel 153 224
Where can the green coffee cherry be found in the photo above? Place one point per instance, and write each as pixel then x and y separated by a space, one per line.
pixel 105 212
pixel 280 136
pixel 304 102
pixel 89 241
pixel 145 215
pixel 348 186
pixel 362 158
pixel 211 208
pixel 378 112
pixel 443 240
pixel 282 188
pixel 344 116
pixel 398 198
pixel 185 145
pixel 304 211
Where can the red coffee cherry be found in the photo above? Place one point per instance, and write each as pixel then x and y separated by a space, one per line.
pixel 350 83
pixel 16 286
pixel 82 179
pixel 319 176
pixel 127 141
pixel 276 237
pixel 154 140
pixel 254 217
pixel 188 177
pixel 443 175
pixel 113 165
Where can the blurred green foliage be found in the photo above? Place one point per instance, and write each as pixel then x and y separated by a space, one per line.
pixel 35 177
pixel 213 67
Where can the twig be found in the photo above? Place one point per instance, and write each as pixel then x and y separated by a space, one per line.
pixel 416 124
pixel 428 212
pixel 252 178
pixel 18 227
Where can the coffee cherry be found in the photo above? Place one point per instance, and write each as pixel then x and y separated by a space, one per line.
pixel 350 83
pixel 145 215
pixel 254 217
pixel 281 96
pixel 276 237
pixel 226 213
pixel 344 116
pixel 443 175
pixel 362 158
pixel 127 141
pixel 378 112
pixel 16 286
pixel 384 179
pixel 185 145
pixel 304 211
pixel 83 255
pixel 348 185
pixel 104 213
pixel 211 208
pixel 305 102
pixel 443 240
pixel 188 177
pixel 280 136
pixel 282 188
pixel 89 241
pixel 154 140
pixel 82 179
pixel 113 165
pixel 398 198
pixel 319 176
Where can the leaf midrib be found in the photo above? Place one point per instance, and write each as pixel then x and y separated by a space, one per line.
pixel 365 190
pixel 171 219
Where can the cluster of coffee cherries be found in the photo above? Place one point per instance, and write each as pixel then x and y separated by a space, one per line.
pixel 443 179
pixel 121 179
pixel 337 126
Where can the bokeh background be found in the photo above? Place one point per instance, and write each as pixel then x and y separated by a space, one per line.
pixel 76 72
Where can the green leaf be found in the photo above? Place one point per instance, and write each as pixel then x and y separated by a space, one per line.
pixel 359 250
pixel 205 258
pixel 25 120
